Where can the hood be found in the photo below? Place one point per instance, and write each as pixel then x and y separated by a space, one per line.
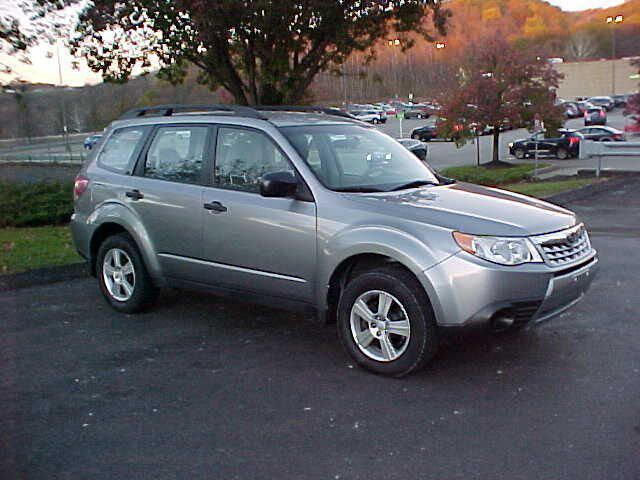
pixel 471 209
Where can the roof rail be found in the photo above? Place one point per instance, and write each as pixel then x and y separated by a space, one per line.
pixel 170 110
pixel 305 109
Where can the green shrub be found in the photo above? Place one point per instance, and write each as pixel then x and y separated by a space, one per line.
pixel 489 176
pixel 35 204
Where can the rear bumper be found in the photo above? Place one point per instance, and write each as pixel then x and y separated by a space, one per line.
pixel 466 291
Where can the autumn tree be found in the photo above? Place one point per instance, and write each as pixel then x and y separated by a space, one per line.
pixel 262 52
pixel 633 103
pixel 500 83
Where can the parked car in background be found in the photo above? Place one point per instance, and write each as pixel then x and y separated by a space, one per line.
pixel 583 106
pixel 417 147
pixel 621 100
pixel 370 116
pixel 565 146
pixel 632 129
pixel 595 116
pixel 90 141
pixel 572 110
pixel 605 102
pixel 316 212
pixel 602 134
pixel 425 133
pixel 416 110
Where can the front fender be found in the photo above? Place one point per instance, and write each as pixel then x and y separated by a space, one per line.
pixel 120 214
pixel 408 250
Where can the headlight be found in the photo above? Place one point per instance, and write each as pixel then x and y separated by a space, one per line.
pixel 511 145
pixel 502 250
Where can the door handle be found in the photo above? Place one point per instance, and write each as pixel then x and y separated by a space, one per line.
pixel 215 207
pixel 134 194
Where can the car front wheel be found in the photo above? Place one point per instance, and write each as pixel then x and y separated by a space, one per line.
pixel 385 322
pixel 415 136
pixel 520 153
pixel 122 275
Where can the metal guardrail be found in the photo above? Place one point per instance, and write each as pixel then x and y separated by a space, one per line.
pixel 45 157
pixel 591 149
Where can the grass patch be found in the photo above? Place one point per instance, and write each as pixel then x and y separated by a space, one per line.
pixel 491 177
pixel 544 189
pixel 24 249
pixel 35 204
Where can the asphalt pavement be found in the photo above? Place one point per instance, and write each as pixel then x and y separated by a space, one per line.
pixel 202 387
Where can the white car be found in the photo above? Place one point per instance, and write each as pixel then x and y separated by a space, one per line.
pixel 370 116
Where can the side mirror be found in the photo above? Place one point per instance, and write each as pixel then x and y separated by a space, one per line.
pixel 278 184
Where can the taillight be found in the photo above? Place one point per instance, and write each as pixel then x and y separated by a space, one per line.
pixel 573 140
pixel 617 136
pixel 602 114
pixel 79 186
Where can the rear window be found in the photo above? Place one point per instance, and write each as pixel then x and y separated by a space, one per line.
pixel 121 148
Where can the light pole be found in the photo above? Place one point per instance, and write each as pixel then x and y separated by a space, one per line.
pixel 613 21
pixel 393 43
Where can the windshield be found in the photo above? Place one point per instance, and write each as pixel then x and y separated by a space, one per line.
pixel 356 158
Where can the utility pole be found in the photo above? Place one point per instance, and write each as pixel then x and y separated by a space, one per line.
pixel 65 130
pixel 613 21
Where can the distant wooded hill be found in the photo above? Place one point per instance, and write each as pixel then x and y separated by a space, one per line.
pixel 423 70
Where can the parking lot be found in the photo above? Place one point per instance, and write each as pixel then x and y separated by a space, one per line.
pixel 446 154
pixel 203 387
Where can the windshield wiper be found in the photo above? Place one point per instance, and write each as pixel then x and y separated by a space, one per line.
pixel 413 184
pixel 357 189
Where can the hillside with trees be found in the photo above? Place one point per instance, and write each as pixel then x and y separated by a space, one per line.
pixel 393 69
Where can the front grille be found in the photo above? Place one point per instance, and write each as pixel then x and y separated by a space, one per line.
pixel 565 247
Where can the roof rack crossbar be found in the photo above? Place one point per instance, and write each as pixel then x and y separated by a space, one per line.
pixel 170 110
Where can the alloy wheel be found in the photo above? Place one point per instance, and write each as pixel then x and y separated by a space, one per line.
pixel 380 325
pixel 119 274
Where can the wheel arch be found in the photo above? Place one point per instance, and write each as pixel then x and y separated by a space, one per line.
pixel 350 268
pixel 111 219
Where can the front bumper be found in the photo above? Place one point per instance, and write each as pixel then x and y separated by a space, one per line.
pixel 467 291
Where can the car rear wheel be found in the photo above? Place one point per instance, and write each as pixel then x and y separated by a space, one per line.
pixel 123 278
pixel 385 322
pixel 606 139
pixel 562 154
pixel 520 153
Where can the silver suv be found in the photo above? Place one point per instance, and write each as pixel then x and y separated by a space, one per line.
pixel 309 209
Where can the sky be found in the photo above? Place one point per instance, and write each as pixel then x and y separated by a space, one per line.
pixel 44 61
pixel 575 5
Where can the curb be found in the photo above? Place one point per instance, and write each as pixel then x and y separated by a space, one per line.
pixel 588 190
pixel 43 276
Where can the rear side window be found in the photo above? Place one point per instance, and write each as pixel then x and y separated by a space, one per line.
pixel 121 148
pixel 177 154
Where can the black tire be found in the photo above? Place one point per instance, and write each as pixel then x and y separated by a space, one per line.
pixel 144 292
pixel 415 136
pixel 375 121
pixel 520 153
pixel 606 139
pixel 562 154
pixel 423 338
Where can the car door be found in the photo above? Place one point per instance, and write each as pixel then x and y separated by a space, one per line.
pixel 168 192
pixel 253 243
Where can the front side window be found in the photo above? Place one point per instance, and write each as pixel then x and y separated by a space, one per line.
pixel 351 157
pixel 121 147
pixel 177 154
pixel 243 156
